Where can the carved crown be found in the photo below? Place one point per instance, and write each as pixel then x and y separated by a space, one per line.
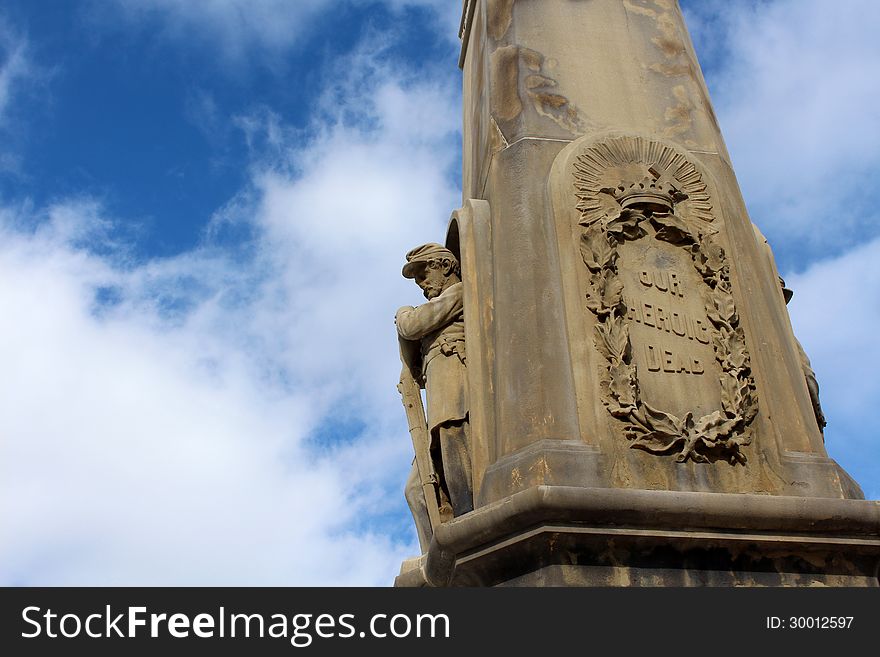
pixel 613 170
pixel 656 192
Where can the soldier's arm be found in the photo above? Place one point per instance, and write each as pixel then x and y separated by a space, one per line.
pixel 415 323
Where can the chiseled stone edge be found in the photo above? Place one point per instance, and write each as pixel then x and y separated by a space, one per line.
pixel 464 30
pixel 779 517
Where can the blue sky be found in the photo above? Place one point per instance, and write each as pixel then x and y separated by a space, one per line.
pixel 203 211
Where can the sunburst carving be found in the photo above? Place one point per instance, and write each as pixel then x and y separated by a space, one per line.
pixel 628 160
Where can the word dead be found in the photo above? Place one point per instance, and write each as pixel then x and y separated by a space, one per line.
pixel 672 362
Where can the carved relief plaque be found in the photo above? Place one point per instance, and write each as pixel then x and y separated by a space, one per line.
pixel 676 371
pixel 669 330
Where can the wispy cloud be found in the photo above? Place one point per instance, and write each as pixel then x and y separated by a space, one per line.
pixel 233 26
pixel 16 70
pixel 237 28
pixel 836 311
pixel 226 416
pixel 794 83
pixel 15 65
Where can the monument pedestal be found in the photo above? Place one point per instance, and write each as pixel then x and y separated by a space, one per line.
pixel 569 536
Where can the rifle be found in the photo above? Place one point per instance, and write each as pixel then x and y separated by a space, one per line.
pixel 411 395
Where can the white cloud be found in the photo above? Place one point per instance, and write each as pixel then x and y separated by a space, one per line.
pixel 796 95
pixel 835 313
pixel 138 451
pixel 341 212
pixel 166 437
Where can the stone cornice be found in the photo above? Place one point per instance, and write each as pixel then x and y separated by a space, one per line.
pixel 465 18
pixel 781 522
pixel 464 30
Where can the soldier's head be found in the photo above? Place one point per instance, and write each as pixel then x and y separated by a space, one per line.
pixel 786 293
pixel 433 267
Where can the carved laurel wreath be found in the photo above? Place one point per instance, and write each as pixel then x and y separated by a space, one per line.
pixel 722 433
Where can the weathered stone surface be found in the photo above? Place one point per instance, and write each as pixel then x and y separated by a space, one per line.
pixel 565 102
pixel 640 410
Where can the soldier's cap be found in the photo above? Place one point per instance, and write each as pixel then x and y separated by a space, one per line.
pixel 419 257
pixel 786 293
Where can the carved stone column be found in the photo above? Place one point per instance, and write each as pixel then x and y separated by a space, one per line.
pixel 641 416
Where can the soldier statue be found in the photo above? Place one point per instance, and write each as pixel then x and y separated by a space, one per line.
pixel 807 368
pixel 433 349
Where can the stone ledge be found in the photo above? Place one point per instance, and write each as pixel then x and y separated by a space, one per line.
pixel 547 525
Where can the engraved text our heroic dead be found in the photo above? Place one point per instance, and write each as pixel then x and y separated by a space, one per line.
pixel 668 318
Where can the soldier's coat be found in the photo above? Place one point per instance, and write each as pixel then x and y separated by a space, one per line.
pixel 438 325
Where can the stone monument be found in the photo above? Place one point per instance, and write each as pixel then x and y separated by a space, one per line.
pixel 633 408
